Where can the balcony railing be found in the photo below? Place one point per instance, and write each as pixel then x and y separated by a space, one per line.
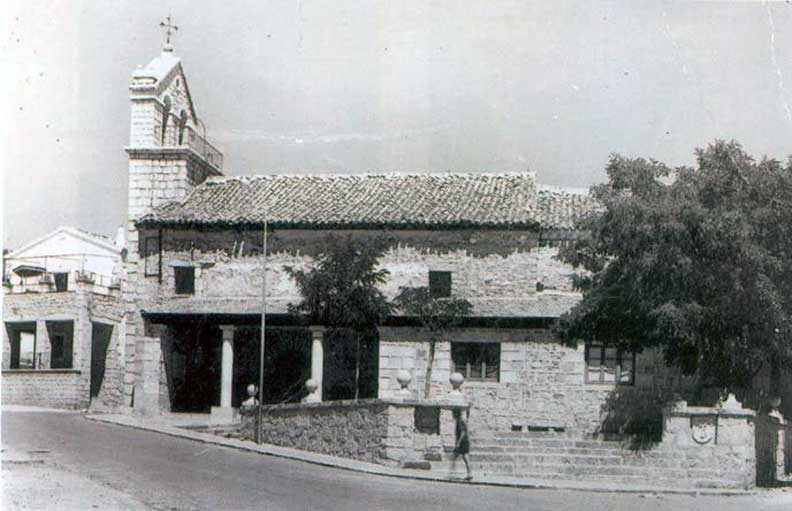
pixel 45 283
pixel 201 146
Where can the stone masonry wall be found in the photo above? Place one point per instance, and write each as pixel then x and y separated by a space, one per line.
pixel 50 388
pixel 542 383
pixel 63 388
pixel 154 178
pixel 712 443
pixel 355 430
pixel 372 430
pixel 495 270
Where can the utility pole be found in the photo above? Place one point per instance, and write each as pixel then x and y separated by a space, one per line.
pixel 263 334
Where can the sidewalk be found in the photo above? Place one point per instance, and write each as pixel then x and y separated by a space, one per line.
pixel 175 426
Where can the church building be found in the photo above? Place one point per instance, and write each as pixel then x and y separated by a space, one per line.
pixel 196 272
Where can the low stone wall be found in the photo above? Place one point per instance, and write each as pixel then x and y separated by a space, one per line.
pixel 51 388
pixel 717 442
pixel 372 430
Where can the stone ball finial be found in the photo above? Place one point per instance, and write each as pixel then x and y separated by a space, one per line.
pixel 731 403
pixel 456 380
pixel 311 385
pixel 251 401
pixel 404 378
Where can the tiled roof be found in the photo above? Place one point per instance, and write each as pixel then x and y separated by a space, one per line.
pixel 560 207
pixel 376 200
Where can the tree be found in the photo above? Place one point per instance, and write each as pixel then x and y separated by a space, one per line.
pixel 695 261
pixel 340 291
pixel 436 316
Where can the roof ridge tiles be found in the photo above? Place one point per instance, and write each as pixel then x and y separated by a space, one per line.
pixel 371 175
pixel 399 200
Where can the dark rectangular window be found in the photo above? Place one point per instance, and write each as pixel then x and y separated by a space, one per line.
pixel 26 352
pixel 476 360
pixel 58 342
pixel 607 364
pixel 440 284
pixel 61 282
pixel 151 256
pixel 185 280
pixel 61 337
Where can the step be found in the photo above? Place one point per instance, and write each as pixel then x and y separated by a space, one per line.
pixel 636 457
pixel 535 434
pixel 633 481
pixel 528 449
pixel 548 442
pixel 561 459
pixel 589 472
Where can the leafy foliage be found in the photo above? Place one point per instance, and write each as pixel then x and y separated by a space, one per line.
pixel 436 315
pixel 696 261
pixel 341 290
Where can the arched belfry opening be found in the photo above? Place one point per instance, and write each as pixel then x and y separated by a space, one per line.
pixel 182 125
pixel 165 115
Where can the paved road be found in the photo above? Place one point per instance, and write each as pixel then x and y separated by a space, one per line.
pixel 169 473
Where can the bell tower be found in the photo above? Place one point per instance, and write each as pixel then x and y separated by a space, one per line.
pixel 168 156
pixel 168 150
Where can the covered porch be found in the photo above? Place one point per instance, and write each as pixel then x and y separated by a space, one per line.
pixel 208 361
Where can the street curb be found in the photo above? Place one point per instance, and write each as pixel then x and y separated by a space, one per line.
pixel 370 468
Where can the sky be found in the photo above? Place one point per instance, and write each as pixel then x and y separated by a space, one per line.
pixel 376 85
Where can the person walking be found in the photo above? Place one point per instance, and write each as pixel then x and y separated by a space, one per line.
pixel 462 447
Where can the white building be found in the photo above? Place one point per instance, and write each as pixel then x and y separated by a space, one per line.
pixel 63 317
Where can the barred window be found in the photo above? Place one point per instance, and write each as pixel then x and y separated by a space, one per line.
pixel 476 360
pixel 607 364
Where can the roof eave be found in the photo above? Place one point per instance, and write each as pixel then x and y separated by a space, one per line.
pixel 151 223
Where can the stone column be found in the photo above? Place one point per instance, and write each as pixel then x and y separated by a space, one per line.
pixel 227 374
pixel 317 363
pixel 225 414
pixel 42 345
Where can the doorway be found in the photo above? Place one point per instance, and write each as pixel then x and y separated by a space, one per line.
pixel 100 342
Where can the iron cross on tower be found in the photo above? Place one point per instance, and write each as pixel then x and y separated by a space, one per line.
pixel 170 28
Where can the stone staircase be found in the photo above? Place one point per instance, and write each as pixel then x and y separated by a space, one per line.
pixel 560 456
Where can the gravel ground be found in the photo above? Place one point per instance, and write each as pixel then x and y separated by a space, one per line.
pixel 43 487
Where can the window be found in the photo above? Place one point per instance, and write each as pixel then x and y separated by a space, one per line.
pixel 440 284
pixel 151 256
pixel 476 360
pixel 61 336
pixel 24 351
pixel 29 351
pixel 606 364
pixel 61 282
pixel 30 355
pixel 185 280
